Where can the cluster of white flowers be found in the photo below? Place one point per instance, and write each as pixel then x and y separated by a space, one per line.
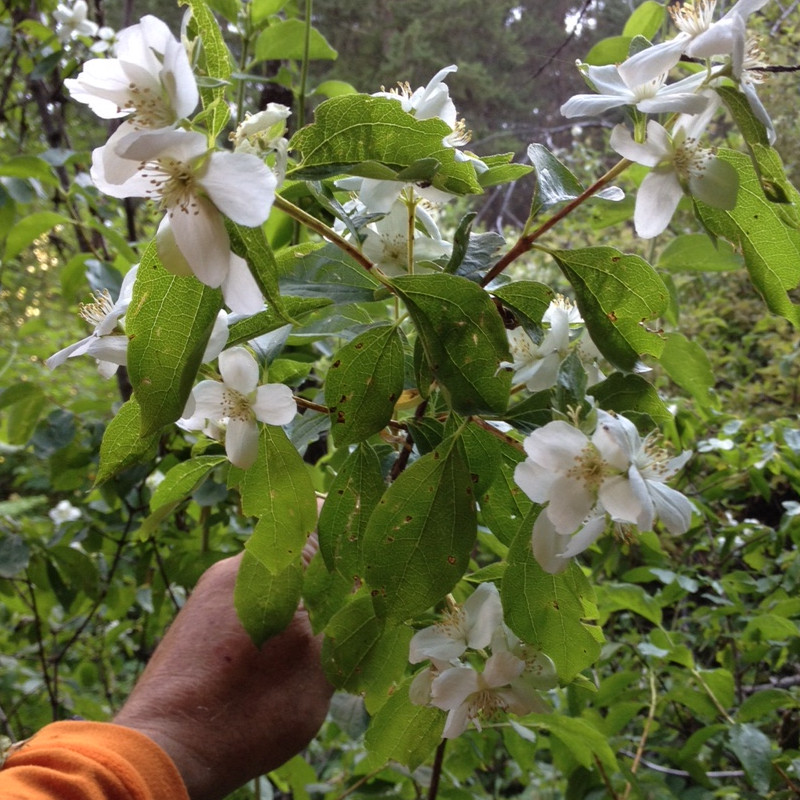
pixel 536 365
pixel 403 207
pixel 150 85
pixel 584 482
pixel 512 676
pixel 679 163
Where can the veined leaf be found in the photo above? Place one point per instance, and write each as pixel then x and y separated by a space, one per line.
pixel 215 63
pixel 361 652
pixel 617 295
pixel 168 322
pixel 353 495
pixel 251 244
pixel 183 479
pixel 554 612
pixel 266 601
pixel 265 321
pixel 418 538
pixel 403 732
pixel 355 129
pixel 689 366
pixel 285 39
pixel 696 252
pixel 363 384
pixel 767 233
pixel 527 299
pixel 463 338
pixel 123 443
pixel 631 395
pixel 554 182
pixel 278 490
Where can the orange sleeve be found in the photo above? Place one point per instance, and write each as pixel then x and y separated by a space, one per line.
pixel 90 761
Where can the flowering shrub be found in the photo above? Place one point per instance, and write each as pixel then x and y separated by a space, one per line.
pixel 478 429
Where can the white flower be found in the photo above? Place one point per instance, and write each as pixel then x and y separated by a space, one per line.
pixel 650 95
pixel 193 186
pixel 109 348
pixel 699 37
pixel 640 496
pixel 428 102
pixel 537 365
pixel 750 75
pixel 568 470
pixel 386 241
pixel 263 133
pixel 471 625
pixel 679 164
pixel 236 403
pixel 584 482
pixel 72 21
pixel 106 39
pixel 150 82
pixel 63 512
pixel 507 683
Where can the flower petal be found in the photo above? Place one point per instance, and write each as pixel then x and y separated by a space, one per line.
pixel 547 545
pixel 239 370
pixel 274 404
pixel 656 202
pixel 240 185
pixel 673 508
pixel 203 241
pixel 239 288
pixel 241 442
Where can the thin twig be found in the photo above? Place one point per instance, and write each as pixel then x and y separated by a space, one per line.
pixel 438 761
pixel 651 713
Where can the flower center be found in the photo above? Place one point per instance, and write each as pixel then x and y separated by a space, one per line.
pixel 694 17
pixel 590 468
pixel 149 108
pixel 95 313
pixel 644 91
pixel 235 405
pixel 174 182
pixel 690 160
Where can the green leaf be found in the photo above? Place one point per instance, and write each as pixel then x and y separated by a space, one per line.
pixel 215 63
pixel 696 252
pixel 501 170
pixel 361 652
pixel 403 732
pixel 646 20
pixel 553 612
pixel 761 705
pixel 463 338
pixel 123 443
pixel 266 601
pixel 327 272
pixel 419 537
pixel 754 750
pixel 363 384
pixel 25 403
pixel 29 228
pixel 532 412
pixel 183 479
pixel 251 244
pixel 285 39
pixel 527 299
pixel 169 321
pixel 750 126
pixel 504 506
pixel 14 553
pixel 334 88
pixel 617 295
pixel 631 395
pixel 611 50
pixel 28 167
pixel 554 182
pixel 627 597
pixel 689 366
pixel 265 321
pixel 352 497
pixel 581 738
pixel 354 129
pixel 264 8
pixel 765 232
pixel 482 451
pixel 277 489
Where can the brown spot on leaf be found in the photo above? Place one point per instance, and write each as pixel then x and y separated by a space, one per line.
pixel 336 363
pixel 612 316
pixel 451 560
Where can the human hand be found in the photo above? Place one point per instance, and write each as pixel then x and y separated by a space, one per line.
pixel 224 710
